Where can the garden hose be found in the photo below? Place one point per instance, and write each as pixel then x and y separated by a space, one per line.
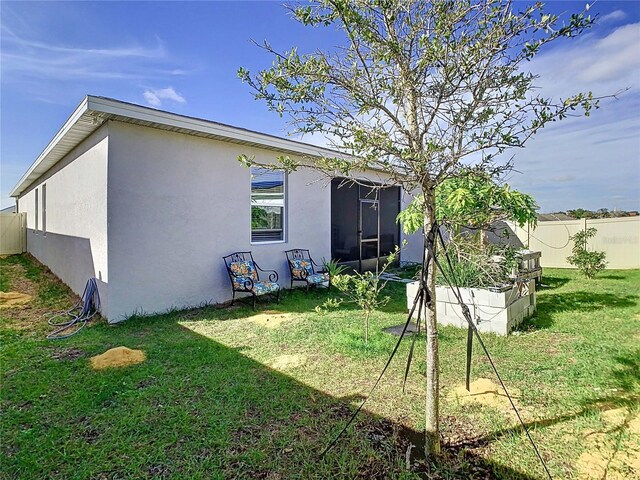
pixel 77 316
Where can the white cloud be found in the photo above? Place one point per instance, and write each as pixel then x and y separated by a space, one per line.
pixel 156 96
pixel 128 51
pixel 26 59
pixel 614 16
pixel 588 162
pixel 601 65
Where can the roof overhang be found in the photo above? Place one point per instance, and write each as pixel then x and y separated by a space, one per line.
pixel 94 111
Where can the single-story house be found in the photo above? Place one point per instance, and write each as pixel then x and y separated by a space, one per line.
pixel 149 201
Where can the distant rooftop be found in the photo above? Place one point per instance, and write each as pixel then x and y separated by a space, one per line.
pixel 11 209
pixel 548 217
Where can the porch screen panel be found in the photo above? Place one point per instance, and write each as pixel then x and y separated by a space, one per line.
pixel 344 221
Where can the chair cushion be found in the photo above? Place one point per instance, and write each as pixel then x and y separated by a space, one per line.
pixel 260 288
pixel 301 268
pixel 241 272
pixel 318 278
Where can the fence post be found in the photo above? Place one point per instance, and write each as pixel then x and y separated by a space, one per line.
pixel 23 229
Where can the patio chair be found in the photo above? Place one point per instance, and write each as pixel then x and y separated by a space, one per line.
pixel 301 267
pixel 245 277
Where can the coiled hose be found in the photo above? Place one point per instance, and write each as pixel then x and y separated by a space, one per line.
pixel 78 315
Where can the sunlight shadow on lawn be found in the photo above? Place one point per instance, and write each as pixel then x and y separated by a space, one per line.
pixel 369 445
pixel 550 304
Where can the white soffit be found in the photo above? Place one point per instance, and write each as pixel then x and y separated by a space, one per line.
pixel 93 111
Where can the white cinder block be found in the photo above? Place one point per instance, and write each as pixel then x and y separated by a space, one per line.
pixel 498 312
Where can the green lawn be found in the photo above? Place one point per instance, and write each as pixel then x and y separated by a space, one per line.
pixel 222 395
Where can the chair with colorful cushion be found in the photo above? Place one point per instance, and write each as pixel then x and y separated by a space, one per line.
pixel 244 274
pixel 302 269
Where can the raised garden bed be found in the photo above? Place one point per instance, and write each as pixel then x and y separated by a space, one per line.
pixel 494 310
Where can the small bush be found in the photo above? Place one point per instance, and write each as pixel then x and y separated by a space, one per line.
pixel 588 262
pixel 477 265
pixel 363 289
pixel 332 267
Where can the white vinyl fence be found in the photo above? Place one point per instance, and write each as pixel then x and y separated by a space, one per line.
pixel 13 233
pixel 619 238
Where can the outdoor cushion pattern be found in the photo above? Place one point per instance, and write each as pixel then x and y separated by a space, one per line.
pixel 300 268
pixel 318 278
pixel 242 271
pixel 260 288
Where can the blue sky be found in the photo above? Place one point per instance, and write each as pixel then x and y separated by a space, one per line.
pixel 183 57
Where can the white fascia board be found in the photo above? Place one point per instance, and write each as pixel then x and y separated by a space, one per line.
pixel 106 107
pixel 71 121
pixel 137 112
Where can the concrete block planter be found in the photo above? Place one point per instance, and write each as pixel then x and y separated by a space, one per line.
pixel 493 311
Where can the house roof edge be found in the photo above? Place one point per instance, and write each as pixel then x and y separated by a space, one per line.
pixel 94 110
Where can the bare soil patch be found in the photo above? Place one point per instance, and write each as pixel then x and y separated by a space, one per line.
pixel 19 281
pixel 67 354
pixel 271 318
pixel 484 391
pixel 117 357
pixel 286 362
pixel 14 299
pixel 614 451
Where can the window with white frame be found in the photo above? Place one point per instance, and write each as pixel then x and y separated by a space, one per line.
pixel 44 208
pixel 267 205
pixel 35 226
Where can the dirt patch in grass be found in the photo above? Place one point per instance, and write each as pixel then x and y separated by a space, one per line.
pixel 18 279
pixel 117 357
pixel 48 294
pixel 14 299
pixel 67 354
pixel 23 289
pixel 286 362
pixel 271 319
pixel 614 451
pixel 484 391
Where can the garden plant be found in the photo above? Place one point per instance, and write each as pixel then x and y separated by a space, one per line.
pixel 419 90
pixel 589 262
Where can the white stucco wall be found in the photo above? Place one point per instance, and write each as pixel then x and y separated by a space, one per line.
pixel 74 246
pixel 150 213
pixel 412 252
pixel 178 203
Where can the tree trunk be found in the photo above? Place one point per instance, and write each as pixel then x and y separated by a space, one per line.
pixel 366 328
pixel 432 428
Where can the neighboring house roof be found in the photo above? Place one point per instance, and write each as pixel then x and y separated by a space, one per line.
pixel 548 217
pixel 11 209
pixel 94 111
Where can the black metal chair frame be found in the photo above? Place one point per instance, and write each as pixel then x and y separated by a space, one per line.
pixel 299 254
pixel 248 283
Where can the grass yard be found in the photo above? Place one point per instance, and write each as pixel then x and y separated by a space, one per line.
pixel 232 393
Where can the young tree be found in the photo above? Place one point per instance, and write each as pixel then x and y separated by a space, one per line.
pixel 364 289
pixel 589 262
pixel 474 199
pixel 417 89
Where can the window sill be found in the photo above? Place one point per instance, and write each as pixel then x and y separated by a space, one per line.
pixel 269 242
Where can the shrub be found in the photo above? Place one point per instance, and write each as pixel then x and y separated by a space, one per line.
pixel 333 268
pixel 477 265
pixel 363 289
pixel 588 262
